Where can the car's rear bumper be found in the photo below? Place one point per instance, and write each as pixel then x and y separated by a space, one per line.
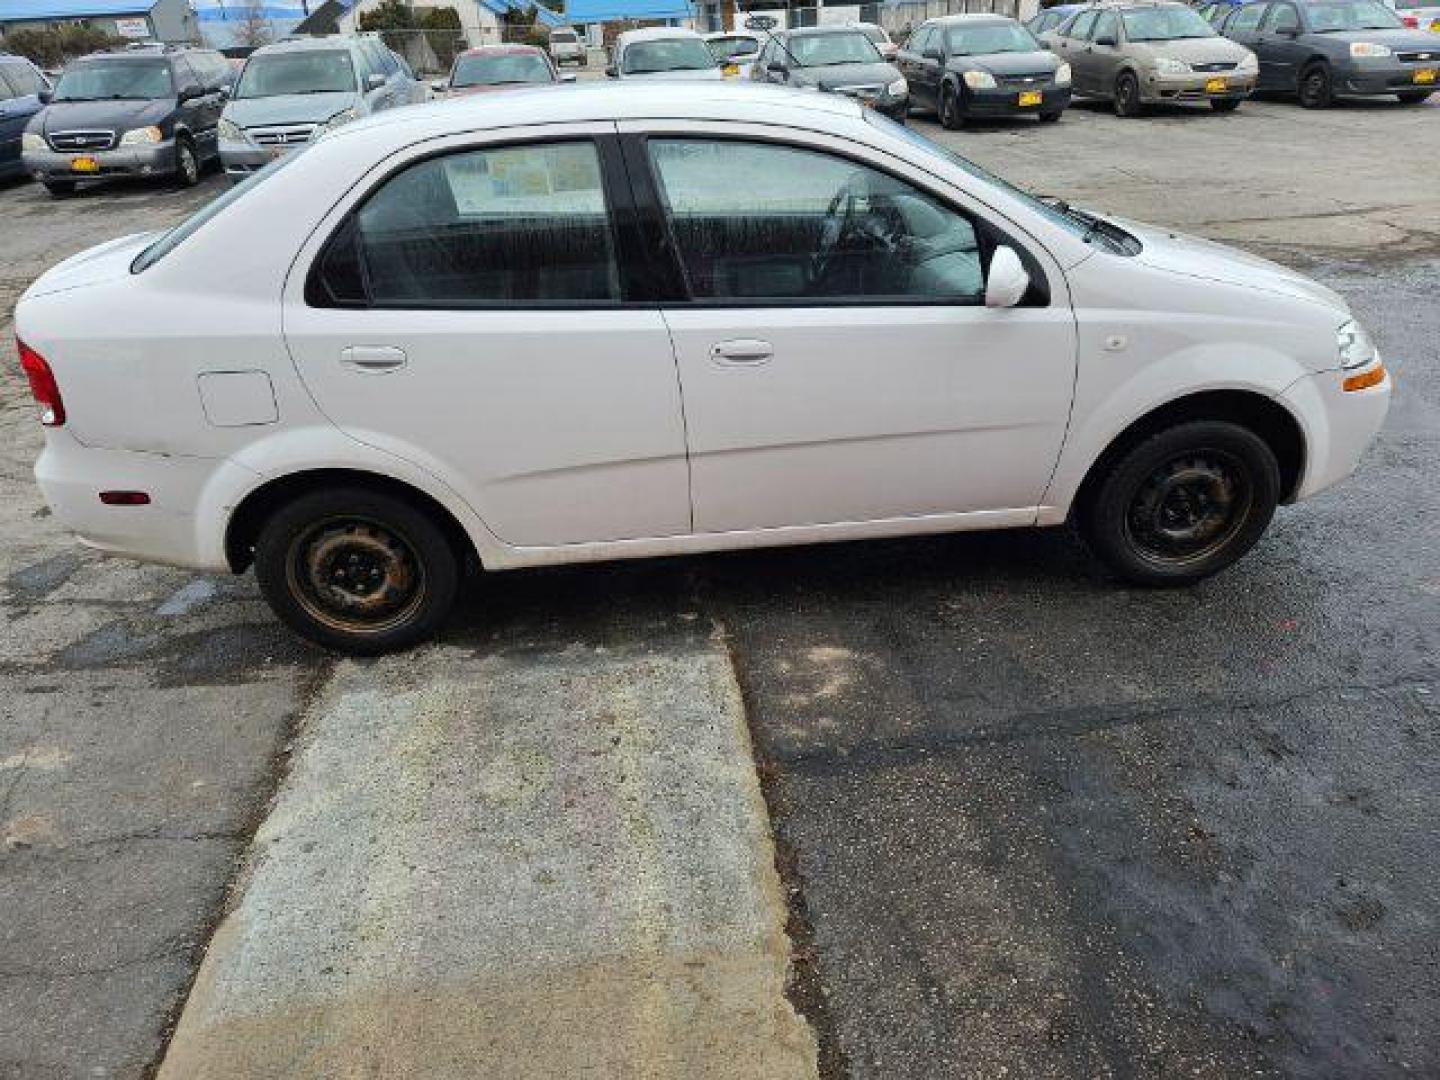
pixel 1158 89
pixel 152 159
pixel 1005 100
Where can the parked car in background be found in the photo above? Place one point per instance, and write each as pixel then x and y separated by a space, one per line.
pixel 1138 54
pixel 967 66
pixel 292 91
pixel 872 336
pixel 568 47
pixel 1051 17
pixel 22 88
pixel 498 67
pixel 878 36
pixel 734 51
pixel 838 59
pixel 136 112
pixel 1418 14
pixel 662 52
pixel 1323 49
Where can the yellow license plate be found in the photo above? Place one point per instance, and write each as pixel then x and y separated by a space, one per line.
pixel 1031 97
pixel 1216 86
pixel 1426 76
pixel 730 70
pixel 84 164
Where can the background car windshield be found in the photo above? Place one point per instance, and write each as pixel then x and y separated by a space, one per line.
pixel 1406 5
pixel 1165 24
pixel 727 48
pixel 875 34
pixel 667 54
pixel 95 81
pixel 297 73
pixel 493 70
pixel 819 50
pixel 1351 15
pixel 990 38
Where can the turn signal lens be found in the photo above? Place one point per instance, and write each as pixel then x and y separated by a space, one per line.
pixel 42 385
pixel 1366 379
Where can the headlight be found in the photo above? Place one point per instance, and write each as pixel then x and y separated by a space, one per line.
pixel 1356 348
pixel 1369 48
pixel 1248 63
pixel 232 132
pixel 898 88
pixel 979 80
pixel 30 142
pixel 1168 65
pixel 141 136
pixel 340 119
pixel 1062 75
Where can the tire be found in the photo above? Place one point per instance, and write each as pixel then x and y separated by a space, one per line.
pixel 952 110
pixel 1414 97
pixel 1225 105
pixel 1127 95
pixel 1049 117
pixel 187 163
pixel 357 571
pixel 60 189
pixel 1316 89
pixel 1182 504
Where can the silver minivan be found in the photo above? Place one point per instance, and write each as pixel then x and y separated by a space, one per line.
pixel 291 92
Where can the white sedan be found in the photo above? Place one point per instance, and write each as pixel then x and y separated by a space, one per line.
pixel 552 328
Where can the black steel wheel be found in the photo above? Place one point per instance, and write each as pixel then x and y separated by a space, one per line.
pixel 1316 89
pixel 1183 504
pixel 952 110
pixel 357 571
pixel 1127 95
pixel 187 163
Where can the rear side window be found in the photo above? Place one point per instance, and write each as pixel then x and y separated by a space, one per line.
pixel 1247 18
pixel 1080 28
pixel 1107 26
pixel 1283 17
pixel 506 227
pixel 7 89
pixel 23 79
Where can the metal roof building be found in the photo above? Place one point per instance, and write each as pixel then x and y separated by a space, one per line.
pixel 140 20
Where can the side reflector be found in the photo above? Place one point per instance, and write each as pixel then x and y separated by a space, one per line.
pixel 1366 379
pixel 42 385
pixel 125 498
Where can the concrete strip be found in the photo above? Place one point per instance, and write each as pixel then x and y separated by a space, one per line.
pixel 537 866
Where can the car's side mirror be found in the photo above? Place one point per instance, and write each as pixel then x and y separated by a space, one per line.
pixel 1008 282
pixel 45 96
pixel 374 81
pixel 567 78
pixel 190 91
pixel 1108 41
pixel 777 67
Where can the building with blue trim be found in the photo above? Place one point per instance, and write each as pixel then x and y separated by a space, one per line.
pixel 137 20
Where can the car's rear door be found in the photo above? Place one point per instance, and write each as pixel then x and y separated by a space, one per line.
pixel 835 360
pixel 477 313
pixel 1243 26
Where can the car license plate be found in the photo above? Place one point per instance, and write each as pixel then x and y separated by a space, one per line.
pixel 1031 97
pixel 1216 86
pixel 84 165
pixel 1425 75
pixel 730 70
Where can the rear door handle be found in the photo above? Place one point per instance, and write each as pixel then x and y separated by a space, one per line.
pixel 373 359
pixel 742 352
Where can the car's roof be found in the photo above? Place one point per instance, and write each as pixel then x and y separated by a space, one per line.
pixel 319 44
pixel 809 31
pixel 716 34
pixel 656 33
pixel 502 50
pixel 136 56
pixel 973 17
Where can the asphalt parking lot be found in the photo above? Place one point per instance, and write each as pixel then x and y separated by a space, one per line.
pixel 1031 823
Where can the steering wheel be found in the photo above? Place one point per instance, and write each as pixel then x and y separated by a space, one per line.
pixel 834 228
pixel 883 228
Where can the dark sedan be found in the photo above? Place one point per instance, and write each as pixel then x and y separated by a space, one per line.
pixel 965 66
pixel 1323 49
pixel 21 87
pixel 839 59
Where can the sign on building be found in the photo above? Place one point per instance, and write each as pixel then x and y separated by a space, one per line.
pixel 133 28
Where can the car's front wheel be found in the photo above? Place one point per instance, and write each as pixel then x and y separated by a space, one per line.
pixel 356 570
pixel 1127 95
pixel 1182 504
pixel 952 110
pixel 187 163
pixel 1316 88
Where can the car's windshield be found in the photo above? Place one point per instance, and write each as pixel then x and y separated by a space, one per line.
pixel 875 34
pixel 1340 15
pixel 309 72
pixel 821 50
pixel 990 38
pixel 1081 224
pixel 667 54
pixel 98 80
pixel 727 48
pixel 501 68
pixel 1168 23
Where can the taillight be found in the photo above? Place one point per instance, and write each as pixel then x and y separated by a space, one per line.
pixel 42 385
pixel 1411 21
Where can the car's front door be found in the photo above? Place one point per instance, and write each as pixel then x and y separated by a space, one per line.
pixel 927 68
pixel 1103 53
pixel 472 315
pixel 1075 47
pixel 1282 51
pixel 1244 27
pixel 836 360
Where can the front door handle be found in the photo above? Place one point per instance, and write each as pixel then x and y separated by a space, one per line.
pixel 742 352
pixel 373 359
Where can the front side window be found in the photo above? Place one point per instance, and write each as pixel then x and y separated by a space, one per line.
pixel 500 69
pixel 309 72
pixel 103 80
pixel 985 38
pixel 1107 26
pixel 667 54
pixel 821 50
pixel 1283 18
pixel 510 226
pixel 1080 28
pixel 760 222
pixel 1168 22
pixel 1337 16
pixel 1247 18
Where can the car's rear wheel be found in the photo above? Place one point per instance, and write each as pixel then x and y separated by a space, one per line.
pixel 1414 97
pixel 187 163
pixel 1316 89
pixel 1182 504
pixel 357 571
pixel 1127 95
pixel 952 110
pixel 1225 105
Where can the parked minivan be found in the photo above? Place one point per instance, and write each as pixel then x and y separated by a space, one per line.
pixel 293 91
pixel 22 87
